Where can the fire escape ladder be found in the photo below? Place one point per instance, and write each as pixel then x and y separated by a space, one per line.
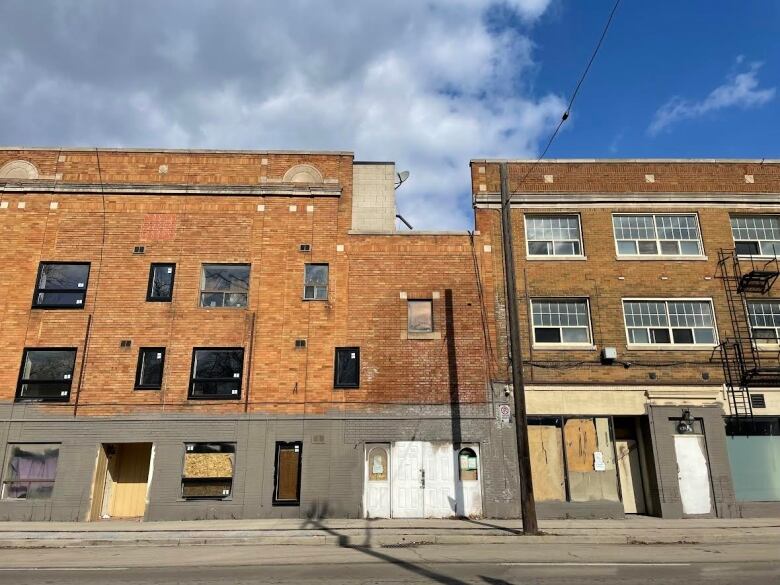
pixel 740 357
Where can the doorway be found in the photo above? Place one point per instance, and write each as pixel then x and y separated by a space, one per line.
pixel 635 463
pixel 121 481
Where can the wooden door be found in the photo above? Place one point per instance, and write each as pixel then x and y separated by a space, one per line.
pixel 130 474
pixel 407 479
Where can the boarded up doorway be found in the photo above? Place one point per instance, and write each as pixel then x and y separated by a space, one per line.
pixel 121 481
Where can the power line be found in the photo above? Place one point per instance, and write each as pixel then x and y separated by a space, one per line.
pixel 566 113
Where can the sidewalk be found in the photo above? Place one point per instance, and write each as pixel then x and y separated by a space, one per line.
pixel 385 533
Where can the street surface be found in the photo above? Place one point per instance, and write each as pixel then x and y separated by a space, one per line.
pixel 501 564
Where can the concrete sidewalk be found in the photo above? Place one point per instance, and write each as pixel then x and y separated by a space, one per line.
pixel 386 533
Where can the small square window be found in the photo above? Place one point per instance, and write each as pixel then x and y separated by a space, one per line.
pixel 216 373
pixel 149 373
pixel 315 286
pixel 287 474
pixel 31 471
pixel 420 316
pixel 46 374
pixel 208 470
pixel 224 285
pixel 61 285
pixel 347 367
pixel 160 287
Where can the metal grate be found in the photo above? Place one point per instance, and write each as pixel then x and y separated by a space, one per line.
pixel 757 401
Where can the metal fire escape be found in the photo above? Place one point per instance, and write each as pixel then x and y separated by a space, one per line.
pixel 745 366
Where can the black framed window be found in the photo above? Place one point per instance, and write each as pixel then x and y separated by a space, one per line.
pixel 347 367
pixel 224 285
pixel 216 372
pixel 61 285
pixel 160 289
pixel 315 286
pixel 287 474
pixel 46 374
pixel 149 372
pixel 208 470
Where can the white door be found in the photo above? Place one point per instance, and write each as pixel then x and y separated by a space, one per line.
pixel 439 480
pixel 377 481
pixel 407 479
pixel 468 490
pixel 629 468
pixel 693 474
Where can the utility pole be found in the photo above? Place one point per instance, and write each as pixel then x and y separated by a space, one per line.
pixel 528 507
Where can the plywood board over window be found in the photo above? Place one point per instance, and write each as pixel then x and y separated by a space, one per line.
pixel 546 446
pixel 590 458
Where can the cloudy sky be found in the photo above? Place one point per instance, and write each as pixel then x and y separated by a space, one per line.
pixel 426 83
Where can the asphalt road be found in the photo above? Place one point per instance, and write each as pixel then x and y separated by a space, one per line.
pixel 448 564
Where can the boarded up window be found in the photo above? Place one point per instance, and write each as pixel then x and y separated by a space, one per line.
pixel 208 470
pixel 467 465
pixel 546 446
pixel 287 476
pixel 377 464
pixel 590 460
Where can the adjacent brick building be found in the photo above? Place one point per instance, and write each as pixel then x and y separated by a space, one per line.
pixel 211 334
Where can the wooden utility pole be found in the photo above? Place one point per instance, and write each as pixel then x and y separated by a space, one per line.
pixel 528 506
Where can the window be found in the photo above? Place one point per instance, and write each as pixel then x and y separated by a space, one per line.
pixel 420 316
pixel 287 474
pixel 756 235
pixel 561 321
pixel 61 285
pixel 161 283
pixel 208 470
pixel 46 374
pixel 467 465
pixel 347 368
pixel 678 322
pixel 216 372
pixel 224 285
pixel 31 471
pixel 149 373
pixel 764 321
pixel 553 235
pixel 315 286
pixel 657 235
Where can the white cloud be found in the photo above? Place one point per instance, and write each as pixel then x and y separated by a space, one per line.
pixel 741 91
pixel 426 84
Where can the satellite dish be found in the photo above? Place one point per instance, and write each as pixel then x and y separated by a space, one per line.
pixel 401 177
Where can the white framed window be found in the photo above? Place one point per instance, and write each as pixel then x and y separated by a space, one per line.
pixel 666 234
pixel 764 317
pixel 561 321
pixel 670 322
pixel 553 235
pixel 756 235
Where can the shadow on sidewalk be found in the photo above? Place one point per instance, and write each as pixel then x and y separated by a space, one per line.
pixel 343 541
pixel 515 531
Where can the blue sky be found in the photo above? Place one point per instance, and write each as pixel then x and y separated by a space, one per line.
pixel 428 84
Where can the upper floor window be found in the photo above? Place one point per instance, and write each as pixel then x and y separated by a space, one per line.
pixel 46 374
pixel 657 235
pixel 61 285
pixel 216 372
pixel 672 322
pixel 765 321
pixel 315 285
pixel 420 316
pixel 149 372
pixel 756 235
pixel 553 235
pixel 561 321
pixel 161 283
pixel 224 285
pixel 347 368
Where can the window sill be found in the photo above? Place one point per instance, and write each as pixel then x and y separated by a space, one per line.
pixel 657 258
pixel 216 398
pixel 286 503
pixel 668 347
pixel 556 258
pixel 420 335
pixel 58 307
pixel 147 388
pixel 36 400
pixel 223 308
pixel 314 300
pixel 563 346
pixel 346 387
